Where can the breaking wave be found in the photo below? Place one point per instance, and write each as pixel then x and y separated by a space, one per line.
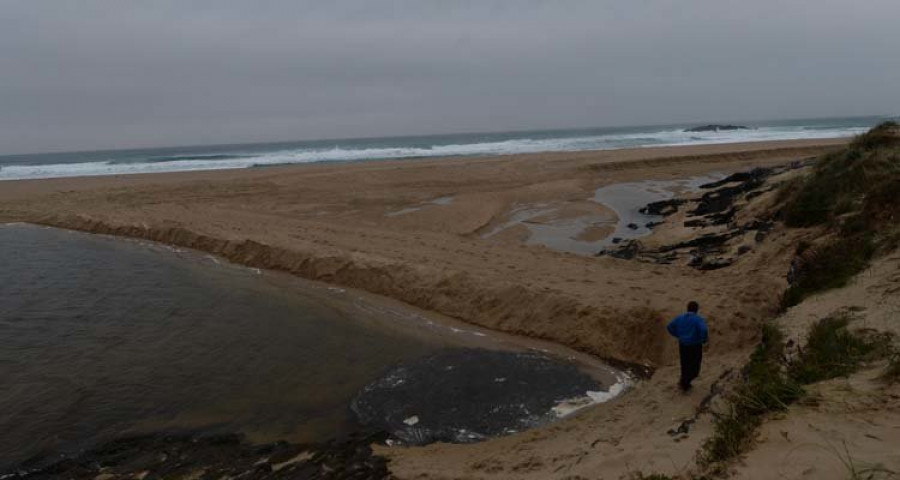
pixel 355 150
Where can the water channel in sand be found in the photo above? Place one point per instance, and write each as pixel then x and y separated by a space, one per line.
pixel 586 228
pixel 103 337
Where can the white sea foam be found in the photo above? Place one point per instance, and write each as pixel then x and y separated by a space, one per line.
pixel 572 405
pixel 513 146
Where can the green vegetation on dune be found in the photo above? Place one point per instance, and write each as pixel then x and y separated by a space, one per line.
pixel 770 385
pixel 855 195
pixel 765 388
pixel 830 265
pixel 841 180
pixel 833 351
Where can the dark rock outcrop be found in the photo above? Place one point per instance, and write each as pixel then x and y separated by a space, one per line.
pixel 717 207
pixel 755 174
pixel 715 128
pixel 663 208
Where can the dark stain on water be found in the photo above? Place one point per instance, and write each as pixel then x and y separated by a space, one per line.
pixel 465 395
pixel 104 338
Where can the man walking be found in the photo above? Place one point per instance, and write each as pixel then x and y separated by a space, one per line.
pixel 690 330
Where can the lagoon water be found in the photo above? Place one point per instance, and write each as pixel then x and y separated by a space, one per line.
pixel 102 337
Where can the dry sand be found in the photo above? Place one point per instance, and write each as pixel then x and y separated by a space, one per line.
pixel 412 230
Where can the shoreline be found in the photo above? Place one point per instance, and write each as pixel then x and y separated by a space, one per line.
pixel 629 154
pixel 461 341
pixel 262 155
pixel 48 202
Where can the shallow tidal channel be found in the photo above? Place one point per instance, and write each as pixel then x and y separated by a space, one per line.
pixel 105 337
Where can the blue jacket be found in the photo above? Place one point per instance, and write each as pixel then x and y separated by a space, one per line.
pixel 689 328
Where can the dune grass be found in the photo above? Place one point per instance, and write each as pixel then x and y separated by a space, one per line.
pixel 841 179
pixel 765 388
pixel 855 194
pixel 768 386
pixel 832 351
pixel 830 265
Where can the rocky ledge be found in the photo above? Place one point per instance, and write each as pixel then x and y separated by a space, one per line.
pixel 715 128
pixel 720 237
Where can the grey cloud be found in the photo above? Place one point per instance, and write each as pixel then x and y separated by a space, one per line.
pixel 104 74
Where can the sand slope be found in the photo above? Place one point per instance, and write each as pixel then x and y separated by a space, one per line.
pixel 847 421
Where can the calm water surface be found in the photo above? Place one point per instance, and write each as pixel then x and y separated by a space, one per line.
pixel 102 337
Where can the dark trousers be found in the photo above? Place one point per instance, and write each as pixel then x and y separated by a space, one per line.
pixel 691 357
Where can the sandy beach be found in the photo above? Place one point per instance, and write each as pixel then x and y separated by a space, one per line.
pixel 334 222
pixel 425 232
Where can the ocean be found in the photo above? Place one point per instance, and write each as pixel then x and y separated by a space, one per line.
pixel 218 157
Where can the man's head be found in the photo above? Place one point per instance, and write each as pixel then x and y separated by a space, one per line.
pixel 693 307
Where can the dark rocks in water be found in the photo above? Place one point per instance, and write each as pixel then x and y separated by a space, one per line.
pixel 716 207
pixel 633 226
pixel 466 395
pixel 702 247
pixel 745 176
pixel 722 199
pixel 715 128
pixel 214 457
pixel 663 208
pixel 703 242
pixel 723 218
pixel 616 240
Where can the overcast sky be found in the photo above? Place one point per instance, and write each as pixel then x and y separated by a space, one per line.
pixel 114 74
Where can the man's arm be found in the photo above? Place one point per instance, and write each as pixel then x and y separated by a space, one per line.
pixel 702 330
pixel 671 327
